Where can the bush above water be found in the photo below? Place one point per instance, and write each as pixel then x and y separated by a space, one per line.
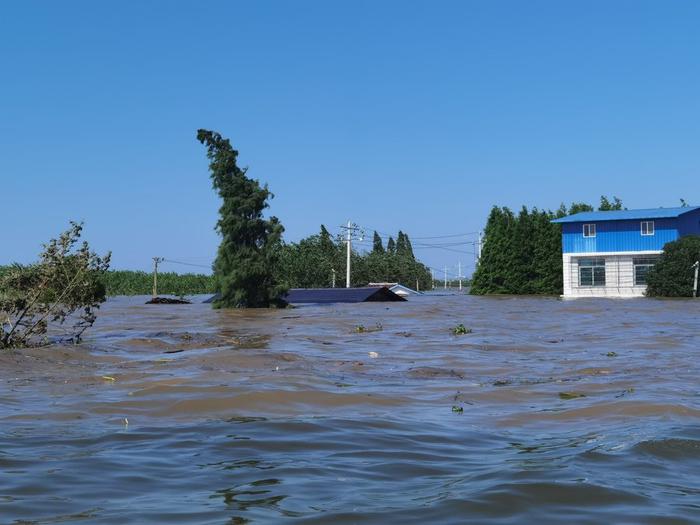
pixel 673 274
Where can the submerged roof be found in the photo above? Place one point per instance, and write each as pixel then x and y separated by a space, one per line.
pixel 335 295
pixel 623 215
pixel 341 295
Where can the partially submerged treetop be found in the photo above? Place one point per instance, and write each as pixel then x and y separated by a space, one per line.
pixel 249 249
pixel 61 291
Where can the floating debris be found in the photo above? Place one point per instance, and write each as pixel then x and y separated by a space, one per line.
pixel 362 329
pixel 611 354
pixel 625 392
pixel 374 355
pixel 460 329
pixel 571 395
pixel 108 378
pixel 458 410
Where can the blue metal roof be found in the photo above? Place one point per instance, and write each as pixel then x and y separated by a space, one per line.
pixel 335 295
pixel 622 215
pixel 341 295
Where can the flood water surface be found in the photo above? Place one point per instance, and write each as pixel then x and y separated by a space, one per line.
pixel 549 411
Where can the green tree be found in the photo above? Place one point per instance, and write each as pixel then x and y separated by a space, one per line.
pixel 606 205
pixel 244 268
pixel 578 207
pixel 377 245
pixel 547 254
pixel 496 271
pixel 391 246
pixel 673 274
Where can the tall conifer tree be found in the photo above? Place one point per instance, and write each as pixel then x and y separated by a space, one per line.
pixel 246 261
pixel 377 246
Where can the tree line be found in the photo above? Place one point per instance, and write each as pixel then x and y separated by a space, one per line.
pixel 318 260
pixel 522 253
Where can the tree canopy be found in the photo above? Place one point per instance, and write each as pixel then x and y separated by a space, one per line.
pixel 310 263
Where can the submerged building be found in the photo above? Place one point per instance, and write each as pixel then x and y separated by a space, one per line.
pixel 608 253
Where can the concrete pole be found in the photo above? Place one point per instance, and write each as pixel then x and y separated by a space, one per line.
pixel 347 266
pixel 695 283
pixel 445 277
pixel 333 270
pixel 459 265
pixel 156 261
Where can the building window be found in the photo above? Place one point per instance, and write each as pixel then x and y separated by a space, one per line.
pixel 647 227
pixel 589 230
pixel 591 271
pixel 642 265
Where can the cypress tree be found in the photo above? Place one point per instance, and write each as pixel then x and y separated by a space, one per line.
pixel 245 266
pixel 408 247
pixel 547 254
pixel 495 271
pixel 400 244
pixel 377 246
pixel 391 246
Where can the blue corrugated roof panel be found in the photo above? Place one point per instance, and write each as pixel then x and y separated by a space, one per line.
pixel 622 215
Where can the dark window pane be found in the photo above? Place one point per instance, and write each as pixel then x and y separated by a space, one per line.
pixel 586 276
pixel 599 276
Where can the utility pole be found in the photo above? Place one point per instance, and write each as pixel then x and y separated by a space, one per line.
pixel 347 266
pixel 478 249
pixel 156 262
pixel 333 270
pixel 695 282
pixel 459 266
pixel 432 278
pixel 445 277
pixel 351 229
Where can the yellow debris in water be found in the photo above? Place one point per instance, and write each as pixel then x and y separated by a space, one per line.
pixel 108 378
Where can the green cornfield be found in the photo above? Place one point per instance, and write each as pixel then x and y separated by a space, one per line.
pixel 127 282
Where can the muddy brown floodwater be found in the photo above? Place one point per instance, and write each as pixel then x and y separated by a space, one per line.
pixel 550 411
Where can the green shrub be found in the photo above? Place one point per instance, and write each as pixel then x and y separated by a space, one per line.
pixel 672 276
pixel 63 289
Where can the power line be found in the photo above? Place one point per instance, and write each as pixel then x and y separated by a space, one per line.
pixel 447 236
pixel 187 264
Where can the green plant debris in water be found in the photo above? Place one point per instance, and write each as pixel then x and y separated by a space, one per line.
pixel 457 409
pixel 571 395
pixel 625 392
pixel 362 329
pixel 611 354
pixel 460 329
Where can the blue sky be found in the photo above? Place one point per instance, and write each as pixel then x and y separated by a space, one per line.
pixel 411 115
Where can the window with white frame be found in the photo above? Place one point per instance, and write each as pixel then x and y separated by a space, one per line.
pixel 642 265
pixel 647 227
pixel 591 271
pixel 589 230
